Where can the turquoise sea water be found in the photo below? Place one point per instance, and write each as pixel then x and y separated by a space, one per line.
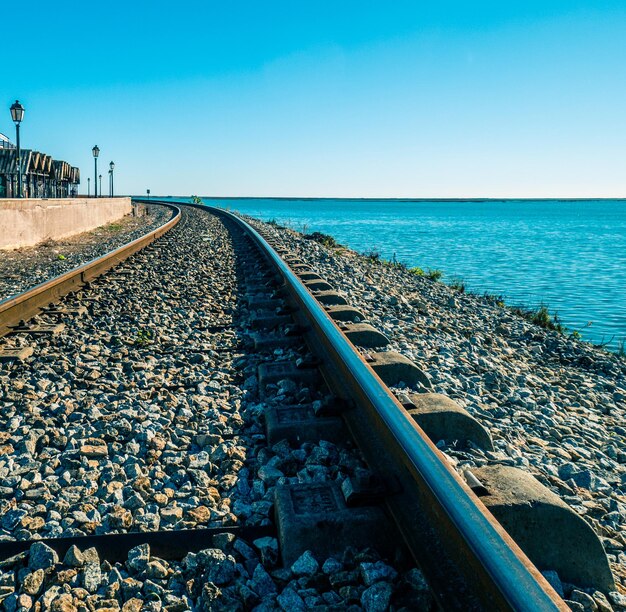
pixel 568 255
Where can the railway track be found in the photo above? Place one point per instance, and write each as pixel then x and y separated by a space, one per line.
pixel 293 366
pixel 27 304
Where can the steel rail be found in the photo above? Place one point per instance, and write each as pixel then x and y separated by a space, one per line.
pixel 165 544
pixel 468 558
pixel 26 305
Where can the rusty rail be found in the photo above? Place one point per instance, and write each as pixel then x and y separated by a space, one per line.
pixel 469 559
pixel 30 303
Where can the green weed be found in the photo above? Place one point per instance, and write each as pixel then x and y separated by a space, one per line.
pixel 371 255
pixel 416 271
pixel 457 285
pixel 275 224
pixel 540 316
pixel 144 337
pixel 434 275
pixel 323 239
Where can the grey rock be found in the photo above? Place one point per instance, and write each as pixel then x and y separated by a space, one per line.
pixel 156 569
pixel 219 568
pixel 555 581
pixel 305 565
pixel 92 577
pixel 602 602
pixel 91 555
pixel 243 549
pixel 332 566
pixel 617 599
pixel 261 582
pixel 138 557
pixel 74 557
pixel 574 606
pixel 375 572
pixel 269 474
pixel 417 580
pixel 268 547
pixel 225 540
pixel 42 557
pixel 31 584
pixel 10 603
pixel 377 597
pixel 289 600
pixel 587 601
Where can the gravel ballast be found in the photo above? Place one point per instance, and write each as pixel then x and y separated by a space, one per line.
pixel 145 414
pixel 555 406
pixel 23 268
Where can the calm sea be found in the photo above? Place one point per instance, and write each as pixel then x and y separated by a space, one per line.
pixel 568 255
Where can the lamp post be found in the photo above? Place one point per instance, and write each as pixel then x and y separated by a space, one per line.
pixel 148 192
pixel 111 168
pixel 100 184
pixel 17 114
pixel 96 152
pixel 88 187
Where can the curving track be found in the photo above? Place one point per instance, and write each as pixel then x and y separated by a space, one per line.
pixel 203 389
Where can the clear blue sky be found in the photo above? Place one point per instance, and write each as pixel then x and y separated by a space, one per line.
pixel 319 98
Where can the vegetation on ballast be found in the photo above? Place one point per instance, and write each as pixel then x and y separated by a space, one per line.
pixel 434 275
pixel 144 337
pixel 275 224
pixel 324 239
pixel 541 317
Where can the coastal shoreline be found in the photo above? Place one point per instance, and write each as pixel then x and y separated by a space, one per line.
pixel 555 406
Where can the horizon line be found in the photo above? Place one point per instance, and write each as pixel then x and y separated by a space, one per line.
pixel 397 199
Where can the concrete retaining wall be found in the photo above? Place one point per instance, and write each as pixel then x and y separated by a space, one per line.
pixel 30 221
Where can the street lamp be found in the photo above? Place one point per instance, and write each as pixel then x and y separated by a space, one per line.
pixel 100 177
pixel 148 192
pixel 17 114
pixel 96 152
pixel 111 168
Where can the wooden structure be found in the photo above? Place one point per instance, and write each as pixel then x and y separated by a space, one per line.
pixel 42 176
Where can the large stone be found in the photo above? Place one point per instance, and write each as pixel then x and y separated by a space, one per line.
pixel 315 518
pixel 443 419
pixel 33 581
pixel 219 567
pixel 138 557
pixel 377 597
pixel 552 535
pixel 272 372
pixel 298 423
pixel 345 313
pixel 318 285
pixel 363 334
pixel 42 557
pixel 330 298
pixel 393 368
pixel 290 601
pixel 305 565
pixel 74 557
